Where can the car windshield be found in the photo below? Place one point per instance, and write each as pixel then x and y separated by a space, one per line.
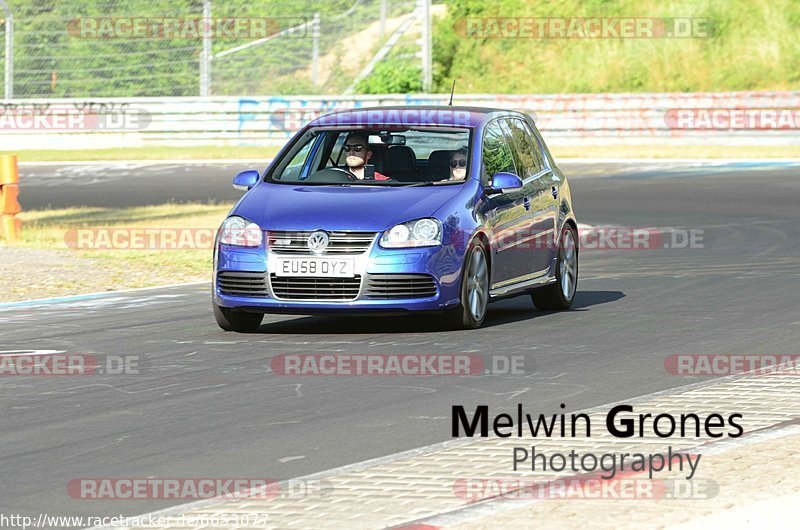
pixel 397 157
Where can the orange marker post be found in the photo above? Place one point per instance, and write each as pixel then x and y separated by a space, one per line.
pixel 9 193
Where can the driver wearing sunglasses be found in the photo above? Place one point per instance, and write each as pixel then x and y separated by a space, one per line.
pixel 458 164
pixel 357 154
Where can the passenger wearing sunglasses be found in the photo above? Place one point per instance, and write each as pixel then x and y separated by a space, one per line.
pixel 357 154
pixel 458 164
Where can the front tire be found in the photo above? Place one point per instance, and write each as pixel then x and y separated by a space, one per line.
pixel 474 299
pixel 239 321
pixel 559 295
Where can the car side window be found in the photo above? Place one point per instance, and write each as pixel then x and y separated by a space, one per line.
pixel 538 144
pixel 496 154
pixel 547 158
pixel 293 170
pixel 336 151
pixel 524 146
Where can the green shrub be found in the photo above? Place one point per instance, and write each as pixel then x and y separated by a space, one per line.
pixel 392 76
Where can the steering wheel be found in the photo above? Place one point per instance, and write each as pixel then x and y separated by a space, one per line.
pixel 333 174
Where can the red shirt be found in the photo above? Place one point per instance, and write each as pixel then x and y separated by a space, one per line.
pixel 379 176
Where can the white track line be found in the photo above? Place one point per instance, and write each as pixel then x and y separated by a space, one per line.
pixel 89 296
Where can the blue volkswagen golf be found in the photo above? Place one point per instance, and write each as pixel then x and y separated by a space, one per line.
pixel 395 210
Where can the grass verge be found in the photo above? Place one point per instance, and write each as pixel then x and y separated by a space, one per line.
pixel 676 151
pixel 146 153
pixel 42 264
pixel 264 153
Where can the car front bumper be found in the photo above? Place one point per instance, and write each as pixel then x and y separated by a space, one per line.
pixel 428 279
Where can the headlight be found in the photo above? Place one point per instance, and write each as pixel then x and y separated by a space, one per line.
pixel 419 233
pixel 240 232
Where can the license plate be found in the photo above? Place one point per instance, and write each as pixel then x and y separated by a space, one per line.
pixel 320 267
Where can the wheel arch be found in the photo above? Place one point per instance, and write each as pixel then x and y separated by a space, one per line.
pixel 484 239
pixel 569 221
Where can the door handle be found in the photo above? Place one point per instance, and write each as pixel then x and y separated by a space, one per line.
pixel 555 192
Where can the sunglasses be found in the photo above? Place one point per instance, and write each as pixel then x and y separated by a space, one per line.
pixel 355 147
pixel 458 163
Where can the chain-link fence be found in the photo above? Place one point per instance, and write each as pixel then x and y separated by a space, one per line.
pixel 160 48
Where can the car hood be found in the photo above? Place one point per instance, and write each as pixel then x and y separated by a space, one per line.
pixel 369 208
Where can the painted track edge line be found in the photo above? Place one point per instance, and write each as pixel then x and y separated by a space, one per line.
pixel 89 296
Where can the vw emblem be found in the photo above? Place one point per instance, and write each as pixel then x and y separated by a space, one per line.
pixel 318 242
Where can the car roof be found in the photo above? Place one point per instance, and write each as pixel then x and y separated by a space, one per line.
pixel 430 115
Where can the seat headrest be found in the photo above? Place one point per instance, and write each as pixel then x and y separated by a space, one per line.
pixel 438 160
pixel 399 158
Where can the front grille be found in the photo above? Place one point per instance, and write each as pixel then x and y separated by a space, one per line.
pixel 392 286
pixel 376 286
pixel 243 283
pixel 339 243
pixel 309 288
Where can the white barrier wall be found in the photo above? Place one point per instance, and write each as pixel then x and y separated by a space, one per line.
pixel 583 119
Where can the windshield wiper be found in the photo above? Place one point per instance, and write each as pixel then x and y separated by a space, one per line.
pixel 426 183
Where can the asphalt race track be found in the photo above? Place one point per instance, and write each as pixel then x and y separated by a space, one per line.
pixel 206 404
pixel 113 185
pixel 127 184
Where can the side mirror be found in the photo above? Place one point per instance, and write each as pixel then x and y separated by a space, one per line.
pixel 245 180
pixel 503 181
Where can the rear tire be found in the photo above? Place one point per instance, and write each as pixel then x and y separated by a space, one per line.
pixel 559 295
pixel 474 298
pixel 239 321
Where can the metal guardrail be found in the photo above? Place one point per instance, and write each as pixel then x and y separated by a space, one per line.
pixel 712 118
